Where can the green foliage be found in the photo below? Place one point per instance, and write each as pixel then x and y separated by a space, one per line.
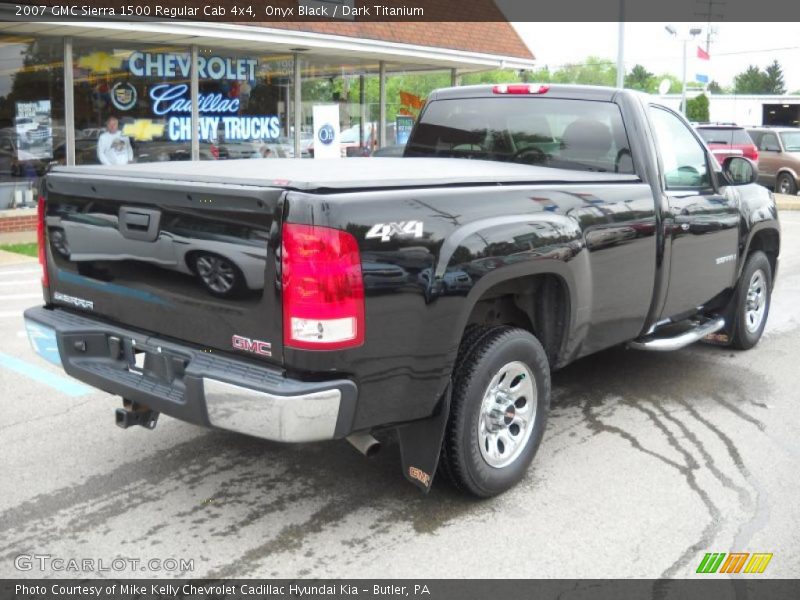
pixel 31 249
pixel 496 76
pixel 697 109
pixel 641 79
pixel 774 78
pixel 593 71
pixel 755 81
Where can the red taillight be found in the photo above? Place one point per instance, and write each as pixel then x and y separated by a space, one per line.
pixel 752 153
pixel 323 291
pixel 40 238
pixel 520 88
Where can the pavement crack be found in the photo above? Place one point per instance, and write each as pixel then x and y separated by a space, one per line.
pixel 713 528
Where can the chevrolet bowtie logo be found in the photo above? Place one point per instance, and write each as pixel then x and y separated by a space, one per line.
pixel 143 130
pixel 99 62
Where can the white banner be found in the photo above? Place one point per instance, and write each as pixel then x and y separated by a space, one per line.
pixel 326 131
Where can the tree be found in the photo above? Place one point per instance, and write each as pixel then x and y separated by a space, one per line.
pixel 773 75
pixel 697 109
pixel 541 75
pixel 641 79
pixel 715 88
pixel 751 81
pixel 593 71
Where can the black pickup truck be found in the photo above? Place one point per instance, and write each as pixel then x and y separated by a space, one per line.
pixel 526 226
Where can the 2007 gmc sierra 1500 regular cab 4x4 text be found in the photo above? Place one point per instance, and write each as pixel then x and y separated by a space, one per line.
pixel 526 226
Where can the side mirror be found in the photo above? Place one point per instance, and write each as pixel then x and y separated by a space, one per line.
pixel 740 170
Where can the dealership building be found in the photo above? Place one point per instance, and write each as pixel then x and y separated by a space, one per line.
pixel 250 91
pixel 748 110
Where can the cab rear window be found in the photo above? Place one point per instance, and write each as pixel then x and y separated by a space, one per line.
pixel 727 135
pixel 580 135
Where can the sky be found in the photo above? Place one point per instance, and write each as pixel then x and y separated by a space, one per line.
pixel 734 46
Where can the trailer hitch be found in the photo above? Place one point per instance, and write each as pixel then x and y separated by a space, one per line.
pixel 134 413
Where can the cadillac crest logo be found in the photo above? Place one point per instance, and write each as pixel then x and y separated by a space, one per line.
pixel 123 95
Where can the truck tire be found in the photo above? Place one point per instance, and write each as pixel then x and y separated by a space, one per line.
pixel 220 276
pixel 786 184
pixel 753 297
pixel 500 399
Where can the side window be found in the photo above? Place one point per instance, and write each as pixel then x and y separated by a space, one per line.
pixel 769 143
pixel 683 157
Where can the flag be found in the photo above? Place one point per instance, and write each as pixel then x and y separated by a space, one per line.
pixel 702 68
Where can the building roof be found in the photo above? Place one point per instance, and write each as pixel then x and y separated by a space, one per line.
pixel 488 37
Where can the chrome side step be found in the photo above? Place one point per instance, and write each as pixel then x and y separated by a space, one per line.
pixel 667 344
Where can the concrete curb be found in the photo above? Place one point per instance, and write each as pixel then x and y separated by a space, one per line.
pixel 785 202
pixel 12 258
pixel 18 237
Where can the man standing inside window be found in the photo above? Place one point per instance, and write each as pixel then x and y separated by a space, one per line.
pixel 113 148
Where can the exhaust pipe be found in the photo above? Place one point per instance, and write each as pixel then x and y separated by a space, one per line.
pixel 364 443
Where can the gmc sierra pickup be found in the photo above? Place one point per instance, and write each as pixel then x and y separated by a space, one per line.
pixel 526 226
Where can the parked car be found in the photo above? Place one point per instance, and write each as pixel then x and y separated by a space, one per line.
pixel 726 140
pixel 226 258
pixel 779 163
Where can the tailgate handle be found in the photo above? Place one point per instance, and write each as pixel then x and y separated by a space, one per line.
pixel 139 223
pixel 137 220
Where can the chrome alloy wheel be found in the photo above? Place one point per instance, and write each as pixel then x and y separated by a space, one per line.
pixel 508 412
pixel 217 273
pixel 756 304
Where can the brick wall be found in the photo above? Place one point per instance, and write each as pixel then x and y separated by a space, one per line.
pixel 17 220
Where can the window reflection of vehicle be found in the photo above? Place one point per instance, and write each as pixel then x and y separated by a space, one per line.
pixel 453 281
pixel 383 276
pixel 17 162
pixel 227 258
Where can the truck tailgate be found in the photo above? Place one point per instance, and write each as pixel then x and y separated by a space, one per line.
pixel 182 259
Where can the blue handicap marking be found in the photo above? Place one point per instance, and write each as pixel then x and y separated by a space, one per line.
pixel 43 341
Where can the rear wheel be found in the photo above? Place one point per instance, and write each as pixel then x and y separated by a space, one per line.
pixel 753 296
pixel 220 276
pixel 501 395
pixel 786 184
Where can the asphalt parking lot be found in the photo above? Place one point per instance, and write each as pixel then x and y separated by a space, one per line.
pixel 649 462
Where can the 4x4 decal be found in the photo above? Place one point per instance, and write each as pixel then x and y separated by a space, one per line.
pixel 403 229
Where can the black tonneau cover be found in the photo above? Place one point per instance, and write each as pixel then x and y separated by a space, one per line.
pixel 346 174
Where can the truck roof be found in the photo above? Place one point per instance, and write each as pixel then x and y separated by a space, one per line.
pixel 332 175
pixel 554 90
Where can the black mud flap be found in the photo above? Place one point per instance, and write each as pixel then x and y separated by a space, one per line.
pixel 421 445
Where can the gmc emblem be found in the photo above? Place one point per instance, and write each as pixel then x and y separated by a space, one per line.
pixel 253 346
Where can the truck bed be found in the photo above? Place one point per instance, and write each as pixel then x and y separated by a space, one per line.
pixel 333 175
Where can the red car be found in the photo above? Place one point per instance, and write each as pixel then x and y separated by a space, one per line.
pixel 728 140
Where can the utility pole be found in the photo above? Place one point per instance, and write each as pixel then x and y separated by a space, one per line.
pixel 694 31
pixel 621 46
pixel 708 14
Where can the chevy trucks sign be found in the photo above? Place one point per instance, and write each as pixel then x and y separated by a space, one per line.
pixel 219 110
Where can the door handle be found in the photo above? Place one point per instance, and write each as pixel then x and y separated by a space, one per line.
pixel 137 220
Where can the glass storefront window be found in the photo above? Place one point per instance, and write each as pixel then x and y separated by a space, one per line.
pixel 350 94
pixel 244 105
pixel 32 133
pixel 124 97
